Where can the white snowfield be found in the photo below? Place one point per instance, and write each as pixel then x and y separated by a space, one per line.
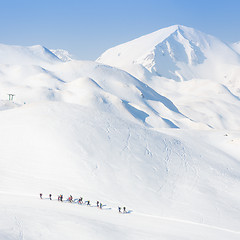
pixel 159 135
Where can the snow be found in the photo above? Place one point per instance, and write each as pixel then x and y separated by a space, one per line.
pixel 31 218
pixel 236 46
pixel 166 147
pixel 33 55
pixel 62 54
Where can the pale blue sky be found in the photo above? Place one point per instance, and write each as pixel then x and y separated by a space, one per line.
pixel 88 28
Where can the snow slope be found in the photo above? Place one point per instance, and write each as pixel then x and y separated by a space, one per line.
pixel 30 218
pixel 69 149
pixel 167 150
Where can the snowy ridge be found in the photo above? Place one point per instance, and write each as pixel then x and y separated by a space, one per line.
pixel 33 55
pixel 236 46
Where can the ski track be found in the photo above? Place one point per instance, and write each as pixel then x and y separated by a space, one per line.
pixel 188 222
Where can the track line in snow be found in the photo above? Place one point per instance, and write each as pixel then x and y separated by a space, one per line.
pixel 189 222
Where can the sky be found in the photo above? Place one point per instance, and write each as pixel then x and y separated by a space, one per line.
pixel 87 28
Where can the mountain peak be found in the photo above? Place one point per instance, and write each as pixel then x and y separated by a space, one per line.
pixel 173 52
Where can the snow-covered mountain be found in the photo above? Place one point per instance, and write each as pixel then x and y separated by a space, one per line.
pixel 166 148
pixel 180 53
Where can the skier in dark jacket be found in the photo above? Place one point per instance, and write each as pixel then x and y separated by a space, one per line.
pixel 41 195
pixel 119 209
pixel 80 200
pixel 50 196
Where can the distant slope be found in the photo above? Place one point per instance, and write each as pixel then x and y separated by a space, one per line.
pixel 188 105
pixel 33 55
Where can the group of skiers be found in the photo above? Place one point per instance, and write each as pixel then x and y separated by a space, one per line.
pixel 80 201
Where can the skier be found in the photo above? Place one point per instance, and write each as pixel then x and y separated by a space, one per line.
pixel 50 196
pixel 119 209
pixel 70 198
pixel 61 197
pixel 88 202
pixel 124 209
pixel 41 195
pixel 97 203
pixel 101 205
